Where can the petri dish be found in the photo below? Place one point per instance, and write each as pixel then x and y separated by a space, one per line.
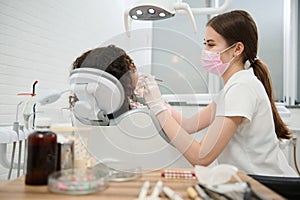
pixel 121 171
pixel 78 181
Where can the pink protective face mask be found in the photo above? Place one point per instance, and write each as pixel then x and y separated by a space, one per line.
pixel 212 63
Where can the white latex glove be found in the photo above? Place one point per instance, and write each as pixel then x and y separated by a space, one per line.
pixel 140 85
pixel 151 93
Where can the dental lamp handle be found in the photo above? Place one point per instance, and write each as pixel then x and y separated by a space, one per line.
pixel 127 22
pixel 186 7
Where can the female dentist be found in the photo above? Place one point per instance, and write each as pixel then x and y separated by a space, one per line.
pixel 244 127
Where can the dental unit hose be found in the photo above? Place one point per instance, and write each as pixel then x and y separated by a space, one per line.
pixel 16 127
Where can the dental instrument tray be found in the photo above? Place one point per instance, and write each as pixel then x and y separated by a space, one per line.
pixel 78 181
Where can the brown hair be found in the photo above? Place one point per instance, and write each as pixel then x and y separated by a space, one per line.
pixel 239 26
pixel 116 62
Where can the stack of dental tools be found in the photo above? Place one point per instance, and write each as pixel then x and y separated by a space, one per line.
pixel 158 188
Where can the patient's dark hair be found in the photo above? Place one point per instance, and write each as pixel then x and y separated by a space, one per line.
pixel 114 61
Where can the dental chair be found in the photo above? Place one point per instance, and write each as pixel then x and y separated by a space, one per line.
pixel 135 137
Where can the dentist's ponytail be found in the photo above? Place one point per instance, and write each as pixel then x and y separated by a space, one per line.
pixel 262 73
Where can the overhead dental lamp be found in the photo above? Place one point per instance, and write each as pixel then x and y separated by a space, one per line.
pixel 157 10
pixel 163 9
pixel 154 11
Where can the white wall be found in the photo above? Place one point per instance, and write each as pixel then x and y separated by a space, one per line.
pixel 39 40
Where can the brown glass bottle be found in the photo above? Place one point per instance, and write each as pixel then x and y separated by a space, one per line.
pixel 41 154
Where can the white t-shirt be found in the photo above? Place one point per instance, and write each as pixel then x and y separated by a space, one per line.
pixel 254 147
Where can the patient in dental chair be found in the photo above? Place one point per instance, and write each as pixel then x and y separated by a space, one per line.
pixel 118 63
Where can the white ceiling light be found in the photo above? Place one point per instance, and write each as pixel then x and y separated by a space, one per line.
pixel 163 9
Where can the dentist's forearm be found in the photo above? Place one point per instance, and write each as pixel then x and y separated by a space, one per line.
pixel 190 125
pixel 197 122
pixel 189 147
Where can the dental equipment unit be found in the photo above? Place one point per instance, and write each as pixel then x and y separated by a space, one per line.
pixel 158 10
pixel 20 135
pixel 11 132
pixel 17 133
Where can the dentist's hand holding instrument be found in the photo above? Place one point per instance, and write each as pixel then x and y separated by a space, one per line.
pixel 151 93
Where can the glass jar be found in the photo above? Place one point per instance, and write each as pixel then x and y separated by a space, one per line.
pixel 41 153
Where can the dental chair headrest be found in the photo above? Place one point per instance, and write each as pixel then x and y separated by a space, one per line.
pixel 98 92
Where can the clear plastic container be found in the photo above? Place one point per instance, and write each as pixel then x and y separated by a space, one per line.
pixel 78 181
pixel 121 171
